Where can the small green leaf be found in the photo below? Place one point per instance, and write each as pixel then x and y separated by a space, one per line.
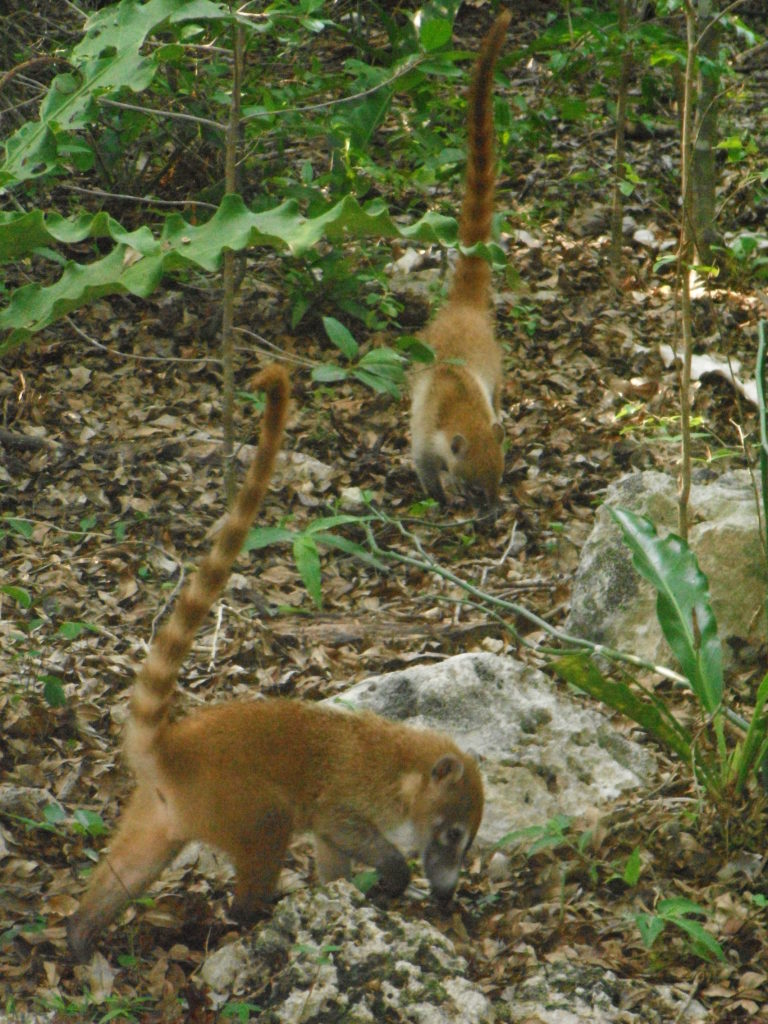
pixel 72 630
pixel 20 526
pixel 91 822
pixel 329 373
pixel 19 594
pixel 54 814
pixel 53 691
pixel 364 881
pixel 633 867
pixel 650 928
pixel 418 350
pixel 341 337
pixel 307 559
pixel 262 536
pixel 434 33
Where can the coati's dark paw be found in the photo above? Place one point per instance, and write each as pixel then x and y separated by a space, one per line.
pixel 394 875
pixel 79 939
pixel 247 912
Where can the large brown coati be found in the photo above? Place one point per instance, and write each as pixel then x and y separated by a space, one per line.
pixel 244 775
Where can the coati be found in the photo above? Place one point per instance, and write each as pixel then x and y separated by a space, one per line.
pixel 456 401
pixel 244 775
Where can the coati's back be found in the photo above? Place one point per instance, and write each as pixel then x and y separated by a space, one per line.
pixel 456 402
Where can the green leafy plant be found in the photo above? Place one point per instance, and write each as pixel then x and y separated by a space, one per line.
pixel 56 820
pixel 240 1011
pixel 679 913
pixel 128 49
pixel 307 543
pixel 381 368
pixel 683 608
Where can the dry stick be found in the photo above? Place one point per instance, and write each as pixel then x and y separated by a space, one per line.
pixel 228 276
pixel 617 209
pixel 684 264
pixel 427 564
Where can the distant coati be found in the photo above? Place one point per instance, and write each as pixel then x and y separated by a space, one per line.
pixel 244 775
pixel 456 401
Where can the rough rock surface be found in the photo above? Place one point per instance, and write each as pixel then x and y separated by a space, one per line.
pixel 568 993
pixel 542 752
pixel 327 955
pixel 612 605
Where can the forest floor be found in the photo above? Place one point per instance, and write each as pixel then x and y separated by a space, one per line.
pixel 111 479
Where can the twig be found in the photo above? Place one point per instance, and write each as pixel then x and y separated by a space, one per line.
pixel 149 200
pixel 427 564
pixel 216 632
pixel 133 355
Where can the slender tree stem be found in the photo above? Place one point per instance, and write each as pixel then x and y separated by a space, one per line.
pixel 228 273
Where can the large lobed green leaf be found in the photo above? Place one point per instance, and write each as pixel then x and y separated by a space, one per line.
pixel 138 259
pixel 682 603
pixel 107 59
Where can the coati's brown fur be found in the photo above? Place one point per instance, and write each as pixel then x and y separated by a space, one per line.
pixel 456 401
pixel 245 775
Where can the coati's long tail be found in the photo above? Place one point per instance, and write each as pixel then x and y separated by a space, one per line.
pixel 471 281
pixel 154 688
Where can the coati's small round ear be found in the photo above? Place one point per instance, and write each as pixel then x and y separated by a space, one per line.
pixel 498 433
pixel 447 767
pixel 459 445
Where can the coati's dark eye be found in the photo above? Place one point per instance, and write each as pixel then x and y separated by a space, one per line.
pixel 454 835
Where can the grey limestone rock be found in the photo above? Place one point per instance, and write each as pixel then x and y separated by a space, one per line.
pixel 612 605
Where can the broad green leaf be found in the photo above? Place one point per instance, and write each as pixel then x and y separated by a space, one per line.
pixel 54 814
pixel 377 381
pixel 649 712
pixel 333 540
pixel 633 867
pixel 331 522
pixel 676 905
pixel 329 373
pixel 20 526
pixel 138 261
pixel 21 596
pixel 263 536
pixel 682 604
pixel 435 33
pixel 650 928
pixel 341 337
pixel 72 630
pixel 364 881
pixel 418 350
pixel 704 944
pixel 307 559
pixel 385 361
pixel 91 822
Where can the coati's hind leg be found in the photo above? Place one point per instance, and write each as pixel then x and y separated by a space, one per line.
pixel 258 852
pixel 141 849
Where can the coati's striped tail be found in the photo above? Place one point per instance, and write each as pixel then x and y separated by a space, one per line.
pixel 472 278
pixel 155 681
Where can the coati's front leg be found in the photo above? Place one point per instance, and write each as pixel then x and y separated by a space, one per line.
pixel 142 847
pixel 429 466
pixel 352 837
